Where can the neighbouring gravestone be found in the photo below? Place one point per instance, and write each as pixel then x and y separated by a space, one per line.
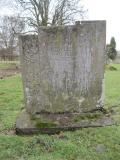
pixel 63 75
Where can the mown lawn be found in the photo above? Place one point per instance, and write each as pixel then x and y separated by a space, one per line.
pixel 85 144
pixel 8 65
pixel 112 86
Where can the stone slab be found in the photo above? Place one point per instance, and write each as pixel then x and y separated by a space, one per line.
pixel 63 70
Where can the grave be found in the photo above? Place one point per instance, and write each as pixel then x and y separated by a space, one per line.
pixel 63 76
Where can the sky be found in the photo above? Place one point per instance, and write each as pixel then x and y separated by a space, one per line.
pixel 108 10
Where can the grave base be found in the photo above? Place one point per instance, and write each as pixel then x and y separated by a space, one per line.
pixel 49 123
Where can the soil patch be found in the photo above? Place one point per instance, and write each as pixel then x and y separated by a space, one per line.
pixel 8 72
pixel 8 132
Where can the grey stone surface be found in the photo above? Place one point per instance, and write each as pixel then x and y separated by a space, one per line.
pixel 24 121
pixel 100 148
pixel 63 68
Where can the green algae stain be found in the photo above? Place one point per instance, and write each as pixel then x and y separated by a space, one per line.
pixel 40 124
pixel 59 39
pixel 43 122
pixel 88 117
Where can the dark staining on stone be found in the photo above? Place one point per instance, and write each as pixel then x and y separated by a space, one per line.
pixel 88 117
pixel 52 120
pixel 52 29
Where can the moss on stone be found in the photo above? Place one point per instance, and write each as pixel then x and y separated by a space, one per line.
pixel 40 124
pixel 43 123
pixel 52 29
pixel 89 117
pixel 59 39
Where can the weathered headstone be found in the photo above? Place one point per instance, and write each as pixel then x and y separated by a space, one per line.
pixel 63 74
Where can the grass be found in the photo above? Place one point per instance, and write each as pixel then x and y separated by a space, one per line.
pixel 78 145
pixel 7 65
pixel 112 89
pixel 11 100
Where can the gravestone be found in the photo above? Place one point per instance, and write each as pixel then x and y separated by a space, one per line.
pixel 63 75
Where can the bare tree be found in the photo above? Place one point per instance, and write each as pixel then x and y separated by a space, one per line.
pixel 52 12
pixel 10 27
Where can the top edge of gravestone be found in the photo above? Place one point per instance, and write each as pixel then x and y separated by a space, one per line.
pixel 80 23
pixel 90 21
pixel 77 23
pixel 33 35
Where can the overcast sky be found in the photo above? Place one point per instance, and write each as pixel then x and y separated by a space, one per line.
pixel 99 10
pixel 108 10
